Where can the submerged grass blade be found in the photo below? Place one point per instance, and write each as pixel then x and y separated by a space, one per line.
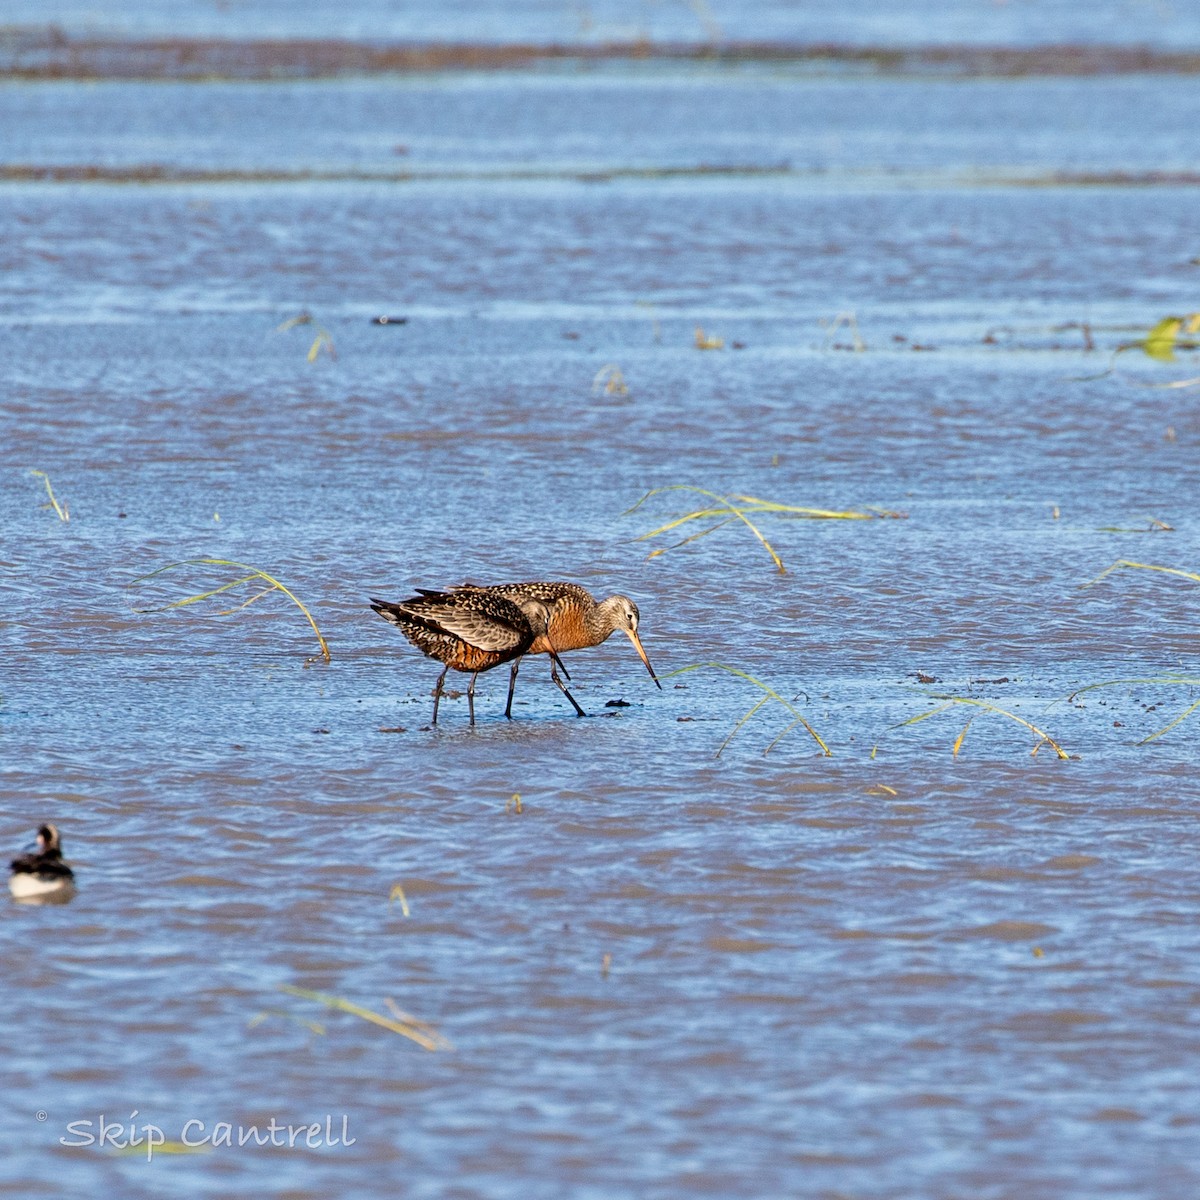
pixel 228 612
pixel 1161 680
pixel 225 587
pixel 1189 680
pixel 816 514
pixel 397 893
pixel 609 380
pixel 933 712
pixel 1127 563
pixel 693 537
pixel 417 1031
pixel 741 508
pixel 60 509
pixel 258 1018
pixel 958 741
pixel 757 705
pixel 1044 739
pixel 322 341
pixel 1173 384
pixel 255 573
pixel 797 721
pixel 721 505
pixel 303 318
pixel 1160 343
pixel 770 694
pixel 148 1150
pixel 1187 712
pixel 407 1018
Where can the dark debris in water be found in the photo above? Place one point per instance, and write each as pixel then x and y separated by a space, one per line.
pixel 617 704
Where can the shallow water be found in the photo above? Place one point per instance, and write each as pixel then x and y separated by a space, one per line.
pixel 907 22
pixel 884 973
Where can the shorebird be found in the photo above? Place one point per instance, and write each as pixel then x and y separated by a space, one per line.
pixel 469 630
pixel 577 620
pixel 42 872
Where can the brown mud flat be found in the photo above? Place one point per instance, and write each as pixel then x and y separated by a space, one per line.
pixel 51 54
pixel 148 173
pixel 161 173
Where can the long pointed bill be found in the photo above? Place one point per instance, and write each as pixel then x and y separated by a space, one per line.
pixel 637 645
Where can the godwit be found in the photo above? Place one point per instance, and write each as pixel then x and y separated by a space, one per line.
pixel 42 873
pixel 469 630
pixel 577 620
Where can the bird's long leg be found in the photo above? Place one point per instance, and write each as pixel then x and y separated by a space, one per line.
pixel 471 697
pixel 563 688
pixel 437 694
pixel 512 683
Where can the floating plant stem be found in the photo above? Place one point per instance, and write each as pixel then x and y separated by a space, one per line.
pixel 1154 525
pixel 1160 343
pixel 1128 564
pixel 254 573
pixel 397 893
pixel 148 1149
pixel 323 340
pixel 610 380
pixel 61 509
pixel 769 695
pixel 740 508
pixel 1044 739
pixel 405 1025
pixel 850 321
pixel 1187 712
pixel 1124 562
pixel 258 1018
pixel 652 311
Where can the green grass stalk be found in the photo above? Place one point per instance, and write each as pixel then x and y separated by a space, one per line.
pixel 738 507
pixel 254 573
pixel 405 1025
pixel 1044 739
pixel 60 509
pixel 770 694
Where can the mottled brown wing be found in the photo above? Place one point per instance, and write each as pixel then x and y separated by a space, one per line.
pixel 495 624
